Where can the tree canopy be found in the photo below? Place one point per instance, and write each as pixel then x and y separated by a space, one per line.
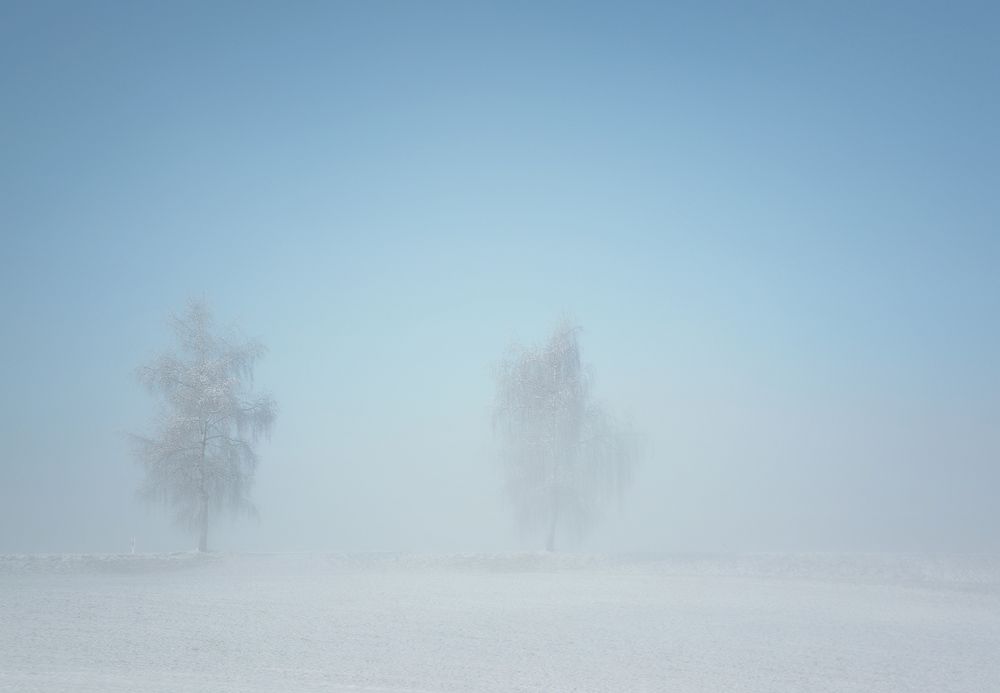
pixel 201 459
pixel 563 455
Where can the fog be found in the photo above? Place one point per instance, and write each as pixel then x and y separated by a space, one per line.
pixel 776 231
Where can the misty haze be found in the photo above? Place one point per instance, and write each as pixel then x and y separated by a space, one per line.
pixel 443 347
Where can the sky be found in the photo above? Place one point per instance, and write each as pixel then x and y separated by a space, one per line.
pixel 775 223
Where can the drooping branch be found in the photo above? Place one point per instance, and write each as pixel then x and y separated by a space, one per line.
pixel 201 459
pixel 562 455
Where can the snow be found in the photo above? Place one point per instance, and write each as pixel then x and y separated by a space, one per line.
pixel 506 622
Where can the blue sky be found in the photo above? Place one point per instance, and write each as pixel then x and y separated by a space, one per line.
pixel 776 223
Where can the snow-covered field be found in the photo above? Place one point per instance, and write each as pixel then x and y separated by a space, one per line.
pixel 512 622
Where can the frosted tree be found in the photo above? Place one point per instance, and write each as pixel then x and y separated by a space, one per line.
pixel 563 456
pixel 200 459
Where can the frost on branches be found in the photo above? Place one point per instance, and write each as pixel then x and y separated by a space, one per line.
pixel 563 456
pixel 200 460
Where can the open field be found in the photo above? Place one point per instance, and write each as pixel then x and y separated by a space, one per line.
pixel 511 622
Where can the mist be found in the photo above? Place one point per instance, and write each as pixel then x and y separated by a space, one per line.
pixel 783 265
pixel 523 346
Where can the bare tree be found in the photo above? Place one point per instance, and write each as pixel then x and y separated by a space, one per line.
pixel 563 456
pixel 201 460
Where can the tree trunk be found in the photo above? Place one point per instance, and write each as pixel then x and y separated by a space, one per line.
pixel 550 543
pixel 203 541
